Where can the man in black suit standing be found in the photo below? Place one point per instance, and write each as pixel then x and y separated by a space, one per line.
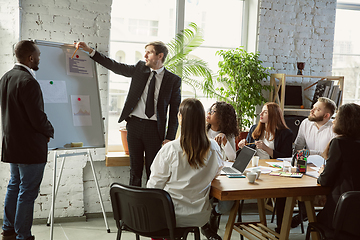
pixel 152 91
pixel 26 131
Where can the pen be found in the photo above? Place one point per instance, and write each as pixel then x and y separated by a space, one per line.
pixel 74 52
pixel 277 166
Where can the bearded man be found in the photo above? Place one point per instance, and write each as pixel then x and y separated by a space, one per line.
pixel 316 132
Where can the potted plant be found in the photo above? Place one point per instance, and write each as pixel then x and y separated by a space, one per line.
pixel 241 83
pixel 192 70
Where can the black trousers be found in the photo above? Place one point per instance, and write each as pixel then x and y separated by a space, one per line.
pixel 142 136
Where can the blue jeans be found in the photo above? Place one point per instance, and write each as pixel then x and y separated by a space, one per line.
pixel 224 207
pixel 23 189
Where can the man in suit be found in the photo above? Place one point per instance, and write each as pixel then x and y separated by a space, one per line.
pixel 26 132
pixel 152 91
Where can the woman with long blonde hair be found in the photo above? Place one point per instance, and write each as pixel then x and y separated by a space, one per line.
pixel 186 167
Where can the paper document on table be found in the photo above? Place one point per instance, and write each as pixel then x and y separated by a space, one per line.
pixel 314 174
pixel 285 159
pixel 317 160
pixel 279 164
pixel 264 170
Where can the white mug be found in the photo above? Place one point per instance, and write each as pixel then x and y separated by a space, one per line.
pixel 251 176
pixel 255 161
pixel 258 172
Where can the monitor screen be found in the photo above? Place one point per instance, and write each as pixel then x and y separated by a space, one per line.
pixel 293 96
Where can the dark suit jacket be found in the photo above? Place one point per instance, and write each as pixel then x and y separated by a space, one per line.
pixel 282 142
pixel 26 128
pixel 341 174
pixel 169 94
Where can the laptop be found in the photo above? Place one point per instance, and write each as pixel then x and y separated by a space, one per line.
pixel 241 162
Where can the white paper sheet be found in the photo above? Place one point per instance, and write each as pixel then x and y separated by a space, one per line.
pixel 53 91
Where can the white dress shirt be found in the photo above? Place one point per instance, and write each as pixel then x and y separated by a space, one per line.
pixel 229 149
pixel 189 187
pixel 313 138
pixel 139 110
pixel 32 72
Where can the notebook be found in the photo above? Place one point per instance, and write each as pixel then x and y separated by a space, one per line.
pixel 241 162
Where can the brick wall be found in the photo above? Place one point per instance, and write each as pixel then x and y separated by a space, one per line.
pixel 293 31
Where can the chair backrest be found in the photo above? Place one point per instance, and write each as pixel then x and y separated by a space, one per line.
pixel 142 210
pixel 347 214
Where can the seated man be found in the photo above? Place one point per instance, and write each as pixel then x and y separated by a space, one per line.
pixel 314 134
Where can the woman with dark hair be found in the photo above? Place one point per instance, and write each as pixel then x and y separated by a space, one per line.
pixel 272 139
pixel 222 127
pixel 341 172
pixel 186 167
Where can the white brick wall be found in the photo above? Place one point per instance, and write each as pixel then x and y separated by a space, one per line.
pixel 297 31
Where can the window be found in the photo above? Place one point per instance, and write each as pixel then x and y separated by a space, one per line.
pixel 143 21
pixel 346 54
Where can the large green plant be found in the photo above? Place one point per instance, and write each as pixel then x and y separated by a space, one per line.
pixel 180 62
pixel 240 81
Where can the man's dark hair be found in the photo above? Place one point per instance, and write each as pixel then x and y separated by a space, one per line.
pixel 159 47
pixel 24 49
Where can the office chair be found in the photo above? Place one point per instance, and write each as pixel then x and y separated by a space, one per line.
pixel 345 221
pixel 146 212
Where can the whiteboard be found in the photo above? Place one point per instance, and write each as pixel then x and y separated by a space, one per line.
pixel 71 95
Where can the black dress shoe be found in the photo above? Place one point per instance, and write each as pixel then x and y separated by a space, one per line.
pixel 208 233
pixel 296 220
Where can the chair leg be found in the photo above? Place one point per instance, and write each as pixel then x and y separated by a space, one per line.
pixel 118 235
pixel 301 217
pixel 273 213
pixel 239 215
pixel 308 231
pixel 137 237
pixel 196 234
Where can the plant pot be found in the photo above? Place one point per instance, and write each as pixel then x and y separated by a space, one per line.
pixel 124 140
pixel 241 136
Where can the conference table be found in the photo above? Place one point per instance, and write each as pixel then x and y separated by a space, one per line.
pixel 267 186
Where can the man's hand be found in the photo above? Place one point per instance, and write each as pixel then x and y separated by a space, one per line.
pixel 84 47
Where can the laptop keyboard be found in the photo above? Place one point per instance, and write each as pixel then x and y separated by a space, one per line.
pixel 229 170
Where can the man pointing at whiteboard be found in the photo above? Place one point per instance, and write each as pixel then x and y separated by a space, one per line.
pixel 153 90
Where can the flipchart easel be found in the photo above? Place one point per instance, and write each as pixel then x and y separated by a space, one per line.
pixel 55 186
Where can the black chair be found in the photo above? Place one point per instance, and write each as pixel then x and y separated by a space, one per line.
pixel 345 221
pixel 146 212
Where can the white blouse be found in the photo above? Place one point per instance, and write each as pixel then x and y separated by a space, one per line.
pixel 262 153
pixel 229 149
pixel 188 187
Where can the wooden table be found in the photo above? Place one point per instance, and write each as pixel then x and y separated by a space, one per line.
pixel 304 189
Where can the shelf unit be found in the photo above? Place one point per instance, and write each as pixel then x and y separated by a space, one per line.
pixel 278 80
